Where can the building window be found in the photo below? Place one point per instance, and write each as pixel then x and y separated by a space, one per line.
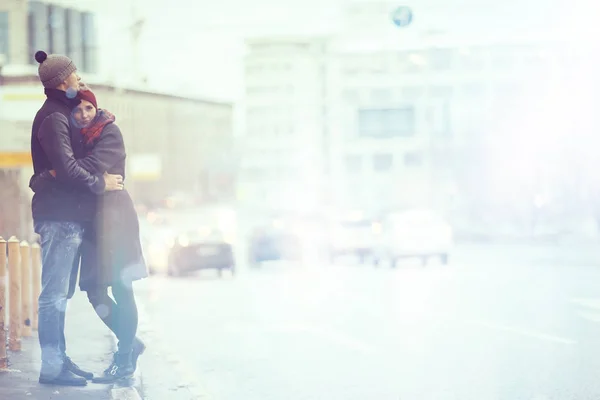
pixel 89 43
pixel 503 58
pixel 379 66
pixel 351 71
pixel 353 164
pixel 351 96
pixel 58 29
pixel 473 91
pixel 473 59
pixel 413 159
pixel 533 57
pixel 386 123
pixel 383 162
pixel 39 32
pixel 381 95
pixel 412 92
pixel 444 92
pixel 439 119
pixel 441 59
pixel 411 62
pixel 4 34
pixel 254 174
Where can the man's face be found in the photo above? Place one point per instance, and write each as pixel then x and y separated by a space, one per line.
pixel 72 82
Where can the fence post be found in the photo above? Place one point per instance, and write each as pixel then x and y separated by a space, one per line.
pixel 25 290
pixel 3 284
pixel 14 274
pixel 36 282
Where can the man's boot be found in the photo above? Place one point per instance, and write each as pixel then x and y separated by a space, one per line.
pixel 64 378
pixel 74 368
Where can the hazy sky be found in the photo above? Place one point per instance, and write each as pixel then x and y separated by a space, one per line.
pixel 197 46
pixel 205 43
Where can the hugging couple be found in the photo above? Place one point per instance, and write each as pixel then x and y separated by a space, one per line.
pixel 86 221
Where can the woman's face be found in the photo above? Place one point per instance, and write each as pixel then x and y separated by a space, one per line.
pixel 84 113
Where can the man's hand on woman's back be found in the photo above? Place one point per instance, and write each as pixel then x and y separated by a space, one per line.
pixel 113 182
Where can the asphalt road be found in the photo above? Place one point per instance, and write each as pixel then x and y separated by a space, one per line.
pixel 500 322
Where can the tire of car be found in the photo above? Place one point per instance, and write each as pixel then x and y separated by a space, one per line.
pixel 332 258
pixel 253 261
pixel 444 258
pixel 172 269
pixel 362 257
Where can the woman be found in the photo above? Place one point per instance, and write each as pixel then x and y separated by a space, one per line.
pixel 111 253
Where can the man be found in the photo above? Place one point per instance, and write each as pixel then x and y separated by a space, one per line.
pixel 59 213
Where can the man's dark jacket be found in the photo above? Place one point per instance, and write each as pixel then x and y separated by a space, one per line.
pixel 73 195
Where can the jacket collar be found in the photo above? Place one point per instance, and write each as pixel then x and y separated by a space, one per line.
pixel 61 96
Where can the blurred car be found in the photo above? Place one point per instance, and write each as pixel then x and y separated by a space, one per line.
pixel 275 240
pixel 355 235
pixel 177 242
pixel 202 248
pixel 417 233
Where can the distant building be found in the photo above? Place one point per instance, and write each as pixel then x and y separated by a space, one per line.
pixel 413 116
pixel 283 152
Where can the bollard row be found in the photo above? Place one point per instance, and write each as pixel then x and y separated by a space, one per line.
pixel 20 285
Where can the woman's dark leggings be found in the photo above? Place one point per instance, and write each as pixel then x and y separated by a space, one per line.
pixel 120 315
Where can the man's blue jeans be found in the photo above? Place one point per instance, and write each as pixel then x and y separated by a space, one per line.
pixel 60 242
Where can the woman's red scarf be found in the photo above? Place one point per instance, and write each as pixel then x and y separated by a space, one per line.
pixel 92 132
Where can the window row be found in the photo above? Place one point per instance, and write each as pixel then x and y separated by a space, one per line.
pixel 451 59
pixel 380 162
pixel 59 30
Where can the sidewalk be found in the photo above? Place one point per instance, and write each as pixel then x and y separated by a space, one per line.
pixel 89 344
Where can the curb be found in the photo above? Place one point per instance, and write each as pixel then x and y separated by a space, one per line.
pixel 124 393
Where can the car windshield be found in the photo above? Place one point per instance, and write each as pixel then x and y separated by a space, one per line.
pixel 362 224
pixel 415 217
pixel 204 234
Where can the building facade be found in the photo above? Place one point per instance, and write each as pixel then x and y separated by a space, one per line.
pixel 431 115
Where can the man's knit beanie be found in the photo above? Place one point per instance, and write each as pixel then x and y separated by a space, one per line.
pixel 53 69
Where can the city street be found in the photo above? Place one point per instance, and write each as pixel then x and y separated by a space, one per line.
pixel 484 328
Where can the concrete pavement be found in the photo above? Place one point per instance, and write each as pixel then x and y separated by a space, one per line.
pixel 485 327
pixel 88 344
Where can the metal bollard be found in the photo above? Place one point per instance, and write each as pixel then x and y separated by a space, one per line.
pixel 26 330
pixel 3 283
pixel 14 275
pixel 36 282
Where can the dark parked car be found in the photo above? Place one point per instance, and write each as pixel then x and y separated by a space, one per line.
pixel 200 249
